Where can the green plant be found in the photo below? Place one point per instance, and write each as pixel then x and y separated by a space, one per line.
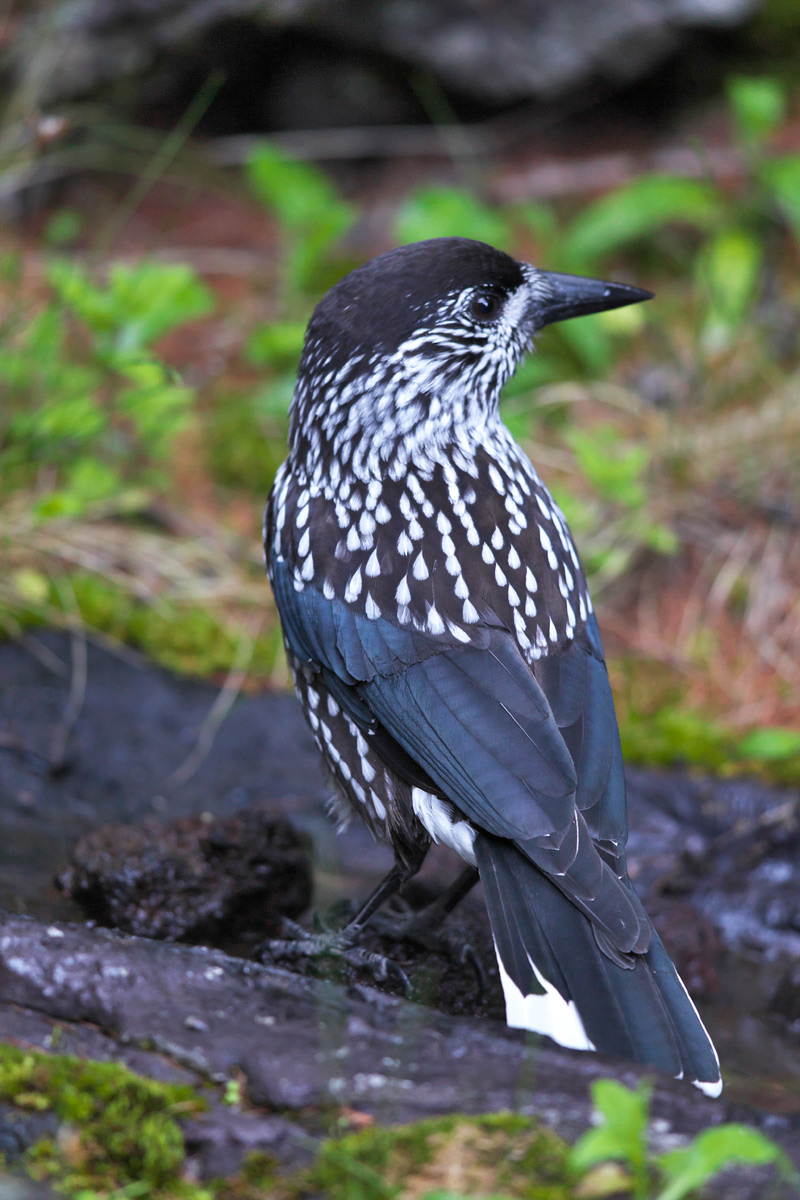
pixel 622 1138
pixel 442 211
pixel 91 414
pixel 312 219
pixel 734 227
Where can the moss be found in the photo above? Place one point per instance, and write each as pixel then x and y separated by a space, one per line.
pixel 257 1180
pixel 184 638
pixel 482 1155
pixel 118 1130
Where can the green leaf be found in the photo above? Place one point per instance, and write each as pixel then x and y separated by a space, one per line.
pixel 91 304
pixel 92 480
pixel 782 177
pixel 32 585
pixel 728 268
pixel 10 267
pixel 622 1137
pixel 758 105
pixel 712 1151
pixel 88 482
pixel 158 413
pixel 610 464
pixel 142 302
pixel 301 195
pixel 63 228
pixel 541 220
pixel 149 299
pixel 636 210
pixel 590 342
pixel 45 335
pixel 274 399
pixel 771 744
pixel 446 1194
pixel 439 211
pixel 660 538
pixel 308 251
pixel 72 419
pixel 276 344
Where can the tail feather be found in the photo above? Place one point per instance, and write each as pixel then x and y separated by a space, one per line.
pixel 558 981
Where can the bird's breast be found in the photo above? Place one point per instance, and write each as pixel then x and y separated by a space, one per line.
pixel 443 552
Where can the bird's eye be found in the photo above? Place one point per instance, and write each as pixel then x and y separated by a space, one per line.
pixel 484 306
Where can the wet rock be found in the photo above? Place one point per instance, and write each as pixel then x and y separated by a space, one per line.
pixel 20 1129
pixel 275 1082
pixel 136 729
pixel 194 879
pixel 717 862
pixel 359 1049
pixel 362 1048
pixel 218 1143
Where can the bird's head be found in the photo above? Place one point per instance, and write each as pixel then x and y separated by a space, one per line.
pixel 425 336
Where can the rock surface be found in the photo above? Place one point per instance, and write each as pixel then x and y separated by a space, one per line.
pixel 303 1044
pixel 496 53
pixel 716 862
pixel 194 879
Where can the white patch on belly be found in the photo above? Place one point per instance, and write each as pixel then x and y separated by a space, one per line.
pixel 437 816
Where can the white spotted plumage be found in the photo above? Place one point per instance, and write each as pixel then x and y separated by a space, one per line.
pixel 406 499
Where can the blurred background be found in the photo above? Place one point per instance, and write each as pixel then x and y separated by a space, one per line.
pixel 180 182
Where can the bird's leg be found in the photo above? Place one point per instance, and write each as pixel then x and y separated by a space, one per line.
pixel 433 914
pixel 342 943
pixel 423 928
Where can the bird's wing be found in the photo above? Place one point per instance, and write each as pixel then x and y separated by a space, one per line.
pixel 480 724
pixel 575 680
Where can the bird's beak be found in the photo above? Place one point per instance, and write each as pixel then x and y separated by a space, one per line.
pixel 557 297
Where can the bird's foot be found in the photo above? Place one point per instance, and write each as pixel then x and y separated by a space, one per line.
pixel 298 944
pixel 422 929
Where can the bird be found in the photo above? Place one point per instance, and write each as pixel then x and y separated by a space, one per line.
pixel 444 647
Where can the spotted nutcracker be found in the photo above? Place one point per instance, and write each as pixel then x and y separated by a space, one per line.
pixel 443 644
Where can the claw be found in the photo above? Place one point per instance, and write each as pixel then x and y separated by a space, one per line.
pixel 340 944
pixel 383 969
pixel 414 928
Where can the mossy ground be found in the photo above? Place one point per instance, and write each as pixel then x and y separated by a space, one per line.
pixel 205 642
pixel 471 1156
pixel 116 1129
pixel 119 1137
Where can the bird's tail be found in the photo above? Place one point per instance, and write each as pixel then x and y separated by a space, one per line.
pixel 557 981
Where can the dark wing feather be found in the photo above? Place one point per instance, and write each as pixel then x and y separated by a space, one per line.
pixel 481 728
pixel 575 682
pixel 479 724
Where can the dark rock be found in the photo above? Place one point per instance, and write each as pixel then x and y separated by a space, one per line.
pixel 496 54
pixel 194 879
pixel 14 1188
pixel 20 1129
pixel 716 862
pixel 137 726
pixel 220 1141
pixel 786 998
pixel 366 1051
pixel 274 1082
